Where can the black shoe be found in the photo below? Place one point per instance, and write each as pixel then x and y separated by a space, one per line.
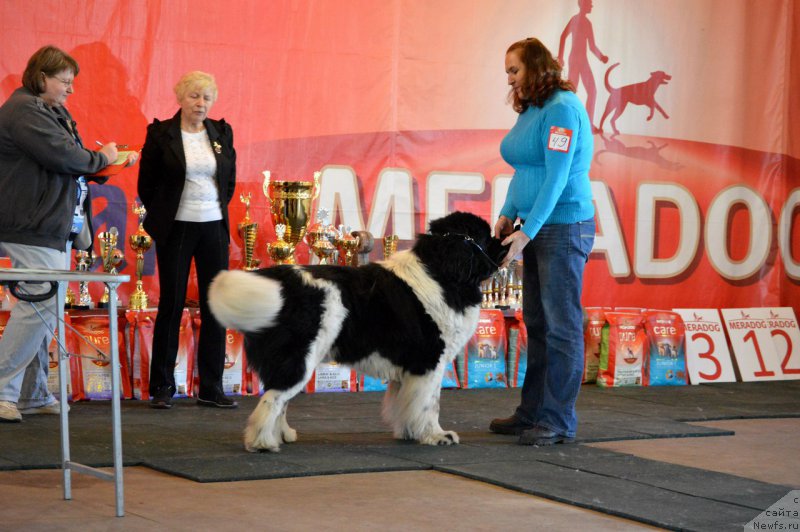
pixel 541 436
pixel 162 399
pixel 217 399
pixel 509 425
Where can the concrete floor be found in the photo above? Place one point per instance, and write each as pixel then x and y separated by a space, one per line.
pixel 763 449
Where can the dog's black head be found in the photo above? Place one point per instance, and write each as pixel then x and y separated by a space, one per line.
pixel 460 252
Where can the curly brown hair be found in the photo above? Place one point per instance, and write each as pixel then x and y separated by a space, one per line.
pixel 542 73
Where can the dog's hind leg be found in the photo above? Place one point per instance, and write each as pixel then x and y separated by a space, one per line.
pixel 390 407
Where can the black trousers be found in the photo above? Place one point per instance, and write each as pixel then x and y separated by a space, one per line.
pixel 207 244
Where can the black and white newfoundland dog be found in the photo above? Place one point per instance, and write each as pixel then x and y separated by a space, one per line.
pixel 404 320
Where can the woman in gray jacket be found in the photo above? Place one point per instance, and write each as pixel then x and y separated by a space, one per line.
pixel 44 207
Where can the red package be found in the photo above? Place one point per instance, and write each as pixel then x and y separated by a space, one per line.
pixel 143 351
pixel 595 319
pixel 91 377
pixel 622 350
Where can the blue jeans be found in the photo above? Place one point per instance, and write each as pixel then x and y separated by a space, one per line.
pixel 553 264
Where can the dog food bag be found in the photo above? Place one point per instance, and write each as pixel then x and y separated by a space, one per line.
pixel 368 383
pixel 143 352
pixel 665 363
pixel 330 376
pixel 483 361
pixel 91 378
pixel 595 319
pixel 517 352
pixel 622 347
pixel 234 374
pixel 235 368
pixel 450 376
pixel 52 352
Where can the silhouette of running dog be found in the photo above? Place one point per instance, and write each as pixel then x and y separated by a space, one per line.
pixel 643 93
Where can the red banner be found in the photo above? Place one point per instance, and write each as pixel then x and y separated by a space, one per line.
pixel 402 105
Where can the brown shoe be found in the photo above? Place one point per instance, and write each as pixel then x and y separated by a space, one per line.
pixel 509 425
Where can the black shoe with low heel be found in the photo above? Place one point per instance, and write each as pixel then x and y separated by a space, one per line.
pixel 217 400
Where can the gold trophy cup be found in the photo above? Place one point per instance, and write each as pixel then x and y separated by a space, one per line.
pixel 290 205
pixel 321 236
pixel 281 251
pixel 347 244
pixel 83 261
pixel 140 242
pixel 111 257
pixel 248 230
pixel 389 245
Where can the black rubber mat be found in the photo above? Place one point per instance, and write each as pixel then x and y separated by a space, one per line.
pixel 343 433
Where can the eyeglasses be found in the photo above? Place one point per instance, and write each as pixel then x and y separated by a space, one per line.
pixel 67 83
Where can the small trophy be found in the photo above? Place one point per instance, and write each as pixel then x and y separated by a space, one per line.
pixel 365 244
pixel 111 258
pixel 140 242
pixel 389 245
pixel 248 230
pixel 83 261
pixel 290 205
pixel 321 236
pixel 347 244
pixel 70 299
pixel 281 251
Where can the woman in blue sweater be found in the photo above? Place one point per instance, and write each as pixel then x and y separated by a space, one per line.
pixel 550 148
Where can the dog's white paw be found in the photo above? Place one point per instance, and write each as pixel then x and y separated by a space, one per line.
pixel 260 446
pixel 289 434
pixel 446 437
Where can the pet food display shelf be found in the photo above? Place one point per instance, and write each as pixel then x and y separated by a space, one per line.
pixel 112 281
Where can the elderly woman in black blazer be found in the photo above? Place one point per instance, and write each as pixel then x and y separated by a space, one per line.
pixel 186 180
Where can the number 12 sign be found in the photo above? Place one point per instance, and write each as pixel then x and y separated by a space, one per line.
pixel 765 341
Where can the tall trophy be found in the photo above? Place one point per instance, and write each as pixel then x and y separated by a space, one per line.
pixel 248 229
pixel 140 242
pixel 70 299
pixel 290 205
pixel 111 258
pixel 389 245
pixel 83 261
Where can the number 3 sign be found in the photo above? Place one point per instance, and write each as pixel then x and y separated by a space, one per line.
pixel 765 342
pixel 707 355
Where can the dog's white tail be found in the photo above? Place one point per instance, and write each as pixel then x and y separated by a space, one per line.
pixel 244 301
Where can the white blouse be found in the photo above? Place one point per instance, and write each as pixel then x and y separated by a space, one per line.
pixel 200 198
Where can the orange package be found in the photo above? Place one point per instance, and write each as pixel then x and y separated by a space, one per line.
pixel 91 376
pixel 622 349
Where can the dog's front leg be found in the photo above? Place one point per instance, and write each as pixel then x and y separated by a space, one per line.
pixel 288 434
pixel 415 406
pixel 261 433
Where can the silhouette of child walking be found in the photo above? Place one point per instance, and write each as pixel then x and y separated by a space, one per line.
pixel 578 67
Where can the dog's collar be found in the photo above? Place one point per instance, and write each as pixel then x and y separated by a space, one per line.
pixel 471 240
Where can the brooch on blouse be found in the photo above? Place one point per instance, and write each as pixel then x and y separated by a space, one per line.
pixel 217 147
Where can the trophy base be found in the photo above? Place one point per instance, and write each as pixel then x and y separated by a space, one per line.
pixel 80 307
